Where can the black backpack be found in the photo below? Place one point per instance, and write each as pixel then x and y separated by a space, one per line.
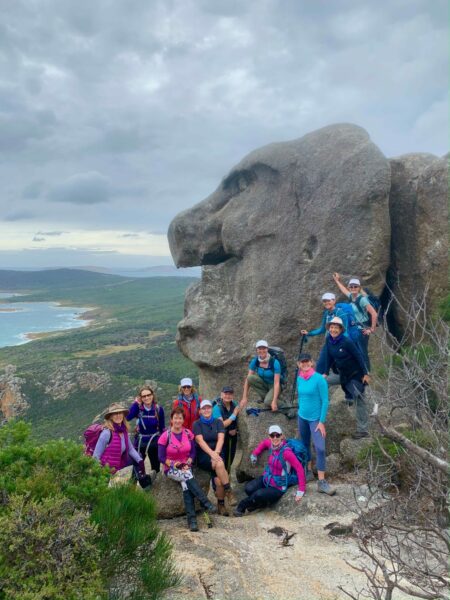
pixel 278 353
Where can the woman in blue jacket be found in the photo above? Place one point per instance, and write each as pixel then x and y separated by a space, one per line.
pixel 150 424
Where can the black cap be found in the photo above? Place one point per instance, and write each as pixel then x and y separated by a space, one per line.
pixel 304 356
pixel 227 389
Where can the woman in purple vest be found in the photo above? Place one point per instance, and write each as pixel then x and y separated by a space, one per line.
pixel 114 447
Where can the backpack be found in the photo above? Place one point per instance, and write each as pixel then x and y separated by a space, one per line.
pixel 91 436
pixel 139 419
pixel 277 353
pixel 374 302
pixel 290 476
pixel 346 308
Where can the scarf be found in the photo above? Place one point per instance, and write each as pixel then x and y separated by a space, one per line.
pixel 337 339
pixel 122 428
pixel 306 374
pixel 206 421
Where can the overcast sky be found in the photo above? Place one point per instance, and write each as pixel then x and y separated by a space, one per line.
pixel 117 114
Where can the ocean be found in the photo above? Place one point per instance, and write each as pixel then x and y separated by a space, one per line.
pixel 19 319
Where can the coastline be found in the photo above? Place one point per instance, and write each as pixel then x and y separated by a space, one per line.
pixel 88 318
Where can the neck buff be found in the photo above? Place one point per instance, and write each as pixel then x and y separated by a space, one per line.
pixel 122 428
pixel 336 339
pixel 306 374
pixel 279 445
pixel 264 360
pixel 188 398
pixel 206 421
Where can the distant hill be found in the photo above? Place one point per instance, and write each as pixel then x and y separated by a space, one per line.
pixel 31 280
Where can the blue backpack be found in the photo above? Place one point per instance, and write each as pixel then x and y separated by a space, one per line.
pixel 347 308
pixel 290 476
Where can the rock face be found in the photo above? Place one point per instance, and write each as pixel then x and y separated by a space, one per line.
pixel 12 402
pixel 269 238
pixel 419 220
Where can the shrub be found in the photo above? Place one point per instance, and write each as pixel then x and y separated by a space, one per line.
pixel 48 551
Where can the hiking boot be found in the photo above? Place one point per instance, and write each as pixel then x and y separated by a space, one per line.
pixel 222 511
pixel 323 487
pixel 230 497
pixel 309 475
pixel 237 512
pixel 192 524
pixel 210 508
pixel 359 435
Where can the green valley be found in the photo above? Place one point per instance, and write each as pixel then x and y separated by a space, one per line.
pixel 67 378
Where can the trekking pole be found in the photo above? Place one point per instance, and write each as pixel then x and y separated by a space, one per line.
pixel 303 340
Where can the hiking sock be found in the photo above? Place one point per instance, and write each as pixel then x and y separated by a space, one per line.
pixel 227 487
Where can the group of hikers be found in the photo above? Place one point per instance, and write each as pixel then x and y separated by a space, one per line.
pixel 204 432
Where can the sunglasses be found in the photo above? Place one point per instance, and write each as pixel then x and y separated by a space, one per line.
pixel 186 387
pixel 353 287
pixel 275 435
pixel 147 395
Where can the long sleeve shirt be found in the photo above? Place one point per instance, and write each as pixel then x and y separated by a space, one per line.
pixel 347 358
pixel 312 398
pixel 276 467
pixel 149 420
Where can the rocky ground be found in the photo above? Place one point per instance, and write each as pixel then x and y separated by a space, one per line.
pixel 241 559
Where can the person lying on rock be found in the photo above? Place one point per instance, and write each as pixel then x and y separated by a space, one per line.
pixel 269 487
pixel 264 377
pixel 365 314
pixel 114 447
pixel 312 413
pixel 210 436
pixel 227 409
pixel 150 424
pixel 176 452
pixel 189 401
pixel 342 352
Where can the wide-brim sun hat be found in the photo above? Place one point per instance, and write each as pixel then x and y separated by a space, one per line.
pixel 335 321
pixel 115 408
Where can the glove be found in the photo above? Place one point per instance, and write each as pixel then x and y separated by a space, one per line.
pixel 141 469
pixel 253 459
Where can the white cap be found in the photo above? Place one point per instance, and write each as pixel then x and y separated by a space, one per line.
pixel 354 281
pixel 186 381
pixel 275 429
pixel 328 296
pixel 335 321
pixel 261 344
pixel 204 403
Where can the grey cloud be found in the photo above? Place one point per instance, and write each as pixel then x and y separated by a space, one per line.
pixel 38 239
pixel 130 235
pixel 33 189
pixel 20 215
pixel 50 233
pixel 82 188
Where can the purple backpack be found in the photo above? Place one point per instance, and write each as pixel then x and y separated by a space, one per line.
pixel 91 436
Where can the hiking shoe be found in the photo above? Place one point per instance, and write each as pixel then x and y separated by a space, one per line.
pixel 230 497
pixel 192 524
pixel 347 401
pixel 323 487
pixel 359 435
pixel 238 513
pixel 309 475
pixel 210 508
pixel 222 511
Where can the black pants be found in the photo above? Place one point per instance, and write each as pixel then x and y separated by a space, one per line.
pixel 150 450
pixel 229 450
pixel 259 496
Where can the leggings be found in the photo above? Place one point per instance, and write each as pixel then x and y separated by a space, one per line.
pixel 259 496
pixel 306 431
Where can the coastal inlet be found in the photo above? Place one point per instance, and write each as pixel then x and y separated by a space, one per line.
pixel 21 322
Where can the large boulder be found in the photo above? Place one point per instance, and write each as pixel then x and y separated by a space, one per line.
pixel 269 239
pixel 169 497
pixel 418 207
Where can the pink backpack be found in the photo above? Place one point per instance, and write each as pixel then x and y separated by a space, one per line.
pixel 91 436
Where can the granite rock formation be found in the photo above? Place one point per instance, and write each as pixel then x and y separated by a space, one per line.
pixel 12 401
pixel 269 238
pixel 419 221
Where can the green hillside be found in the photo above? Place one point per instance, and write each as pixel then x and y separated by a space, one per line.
pixel 71 376
pixel 53 278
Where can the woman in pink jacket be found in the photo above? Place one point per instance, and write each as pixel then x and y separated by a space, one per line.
pixel 267 489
